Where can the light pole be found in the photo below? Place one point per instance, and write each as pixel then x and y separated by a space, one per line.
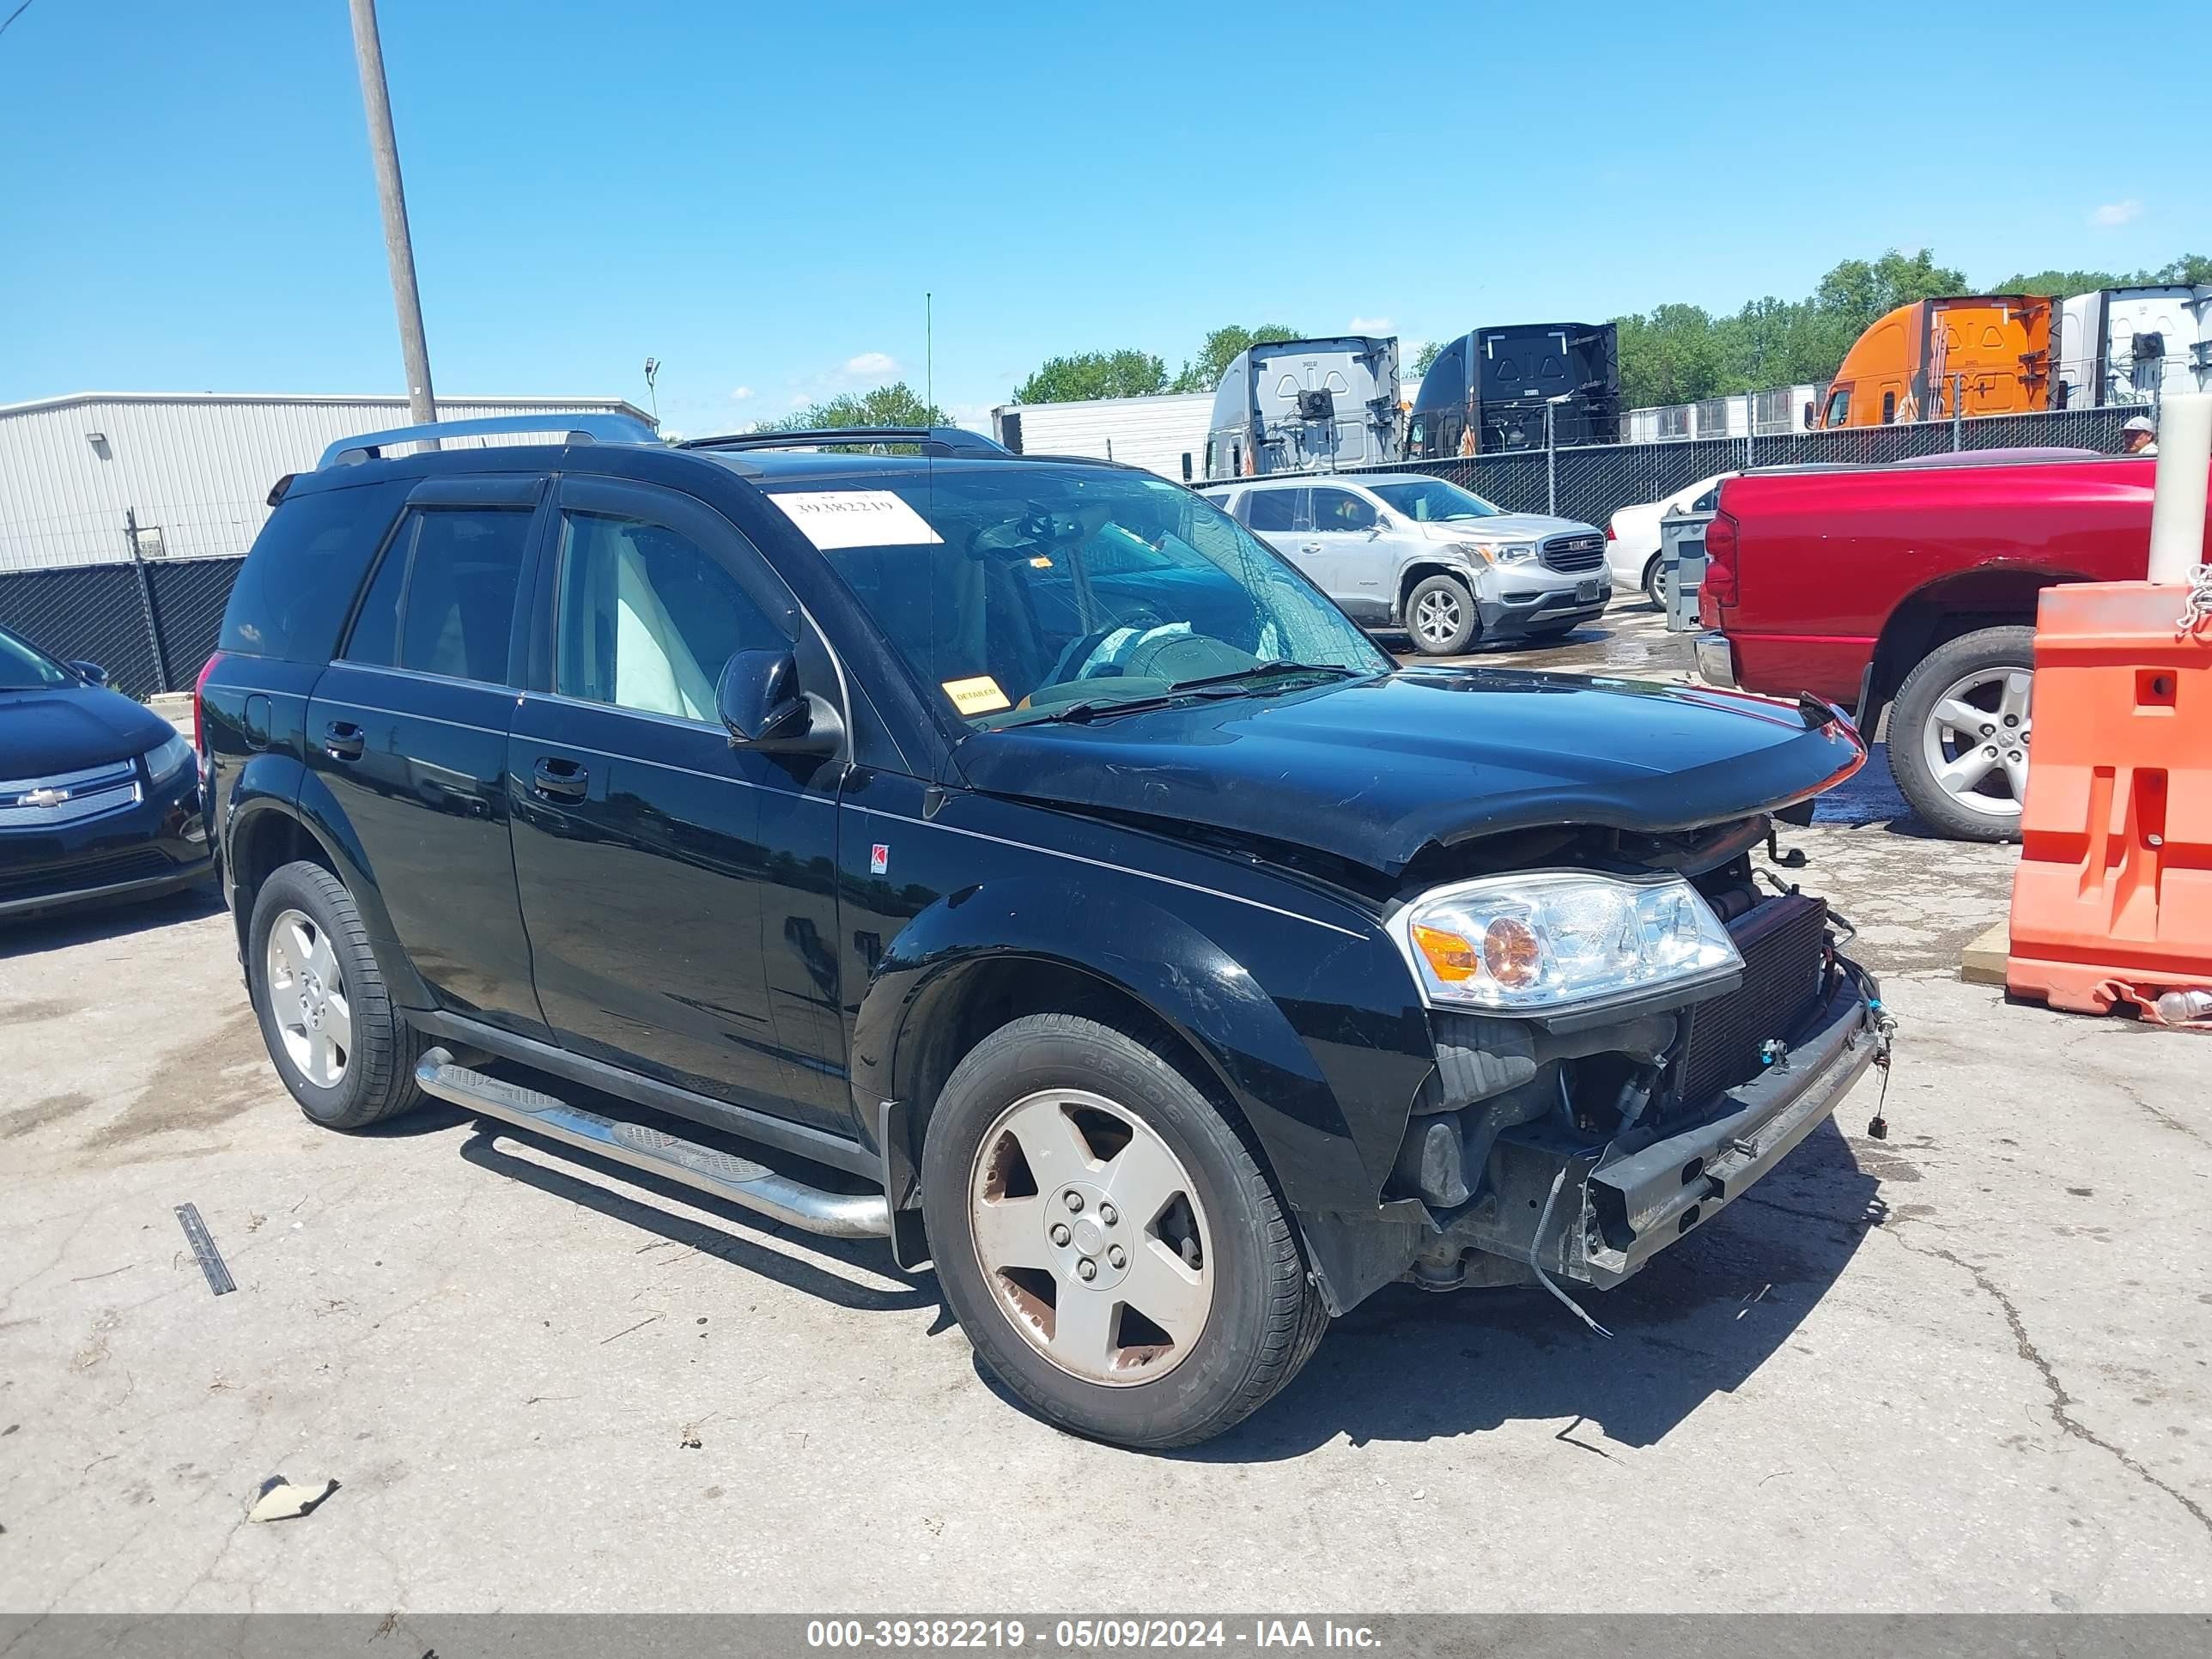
pixel 398 247
pixel 651 390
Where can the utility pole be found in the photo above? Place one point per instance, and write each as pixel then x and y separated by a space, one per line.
pixel 398 247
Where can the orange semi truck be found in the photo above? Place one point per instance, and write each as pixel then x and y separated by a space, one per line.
pixel 1990 353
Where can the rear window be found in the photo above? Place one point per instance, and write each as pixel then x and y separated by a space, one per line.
pixel 292 593
pixel 443 599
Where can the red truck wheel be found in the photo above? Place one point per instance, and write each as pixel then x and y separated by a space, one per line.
pixel 1958 733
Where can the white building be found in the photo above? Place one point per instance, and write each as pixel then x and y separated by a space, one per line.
pixel 192 470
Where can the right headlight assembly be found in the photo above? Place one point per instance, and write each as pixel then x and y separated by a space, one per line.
pixel 1548 942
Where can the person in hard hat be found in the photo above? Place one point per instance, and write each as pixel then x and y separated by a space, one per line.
pixel 2139 436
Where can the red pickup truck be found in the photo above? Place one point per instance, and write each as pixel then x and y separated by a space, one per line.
pixel 1913 588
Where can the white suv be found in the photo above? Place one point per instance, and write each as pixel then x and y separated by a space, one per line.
pixel 1408 550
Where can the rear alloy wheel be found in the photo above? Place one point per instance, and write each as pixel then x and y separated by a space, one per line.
pixel 1440 616
pixel 345 1053
pixel 1958 734
pixel 1107 1239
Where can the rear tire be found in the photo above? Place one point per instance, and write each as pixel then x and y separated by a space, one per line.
pixel 1963 780
pixel 1440 615
pixel 345 1053
pixel 1053 1106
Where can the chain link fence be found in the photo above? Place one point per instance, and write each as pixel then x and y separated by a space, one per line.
pixel 151 625
pixel 1591 482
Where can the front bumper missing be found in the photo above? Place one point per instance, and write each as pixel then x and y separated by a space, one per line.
pixel 1605 1211
pixel 1620 1205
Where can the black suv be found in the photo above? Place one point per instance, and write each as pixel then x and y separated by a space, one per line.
pixel 1013 859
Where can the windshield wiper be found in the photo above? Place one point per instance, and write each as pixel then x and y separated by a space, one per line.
pixel 1269 670
pixel 1215 685
pixel 1084 710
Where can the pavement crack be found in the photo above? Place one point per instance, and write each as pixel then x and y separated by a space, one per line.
pixel 2062 1403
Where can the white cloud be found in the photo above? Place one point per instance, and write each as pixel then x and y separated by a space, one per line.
pixel 872 363
pixel 1371 325
pixel 740 394
pixel 2112 214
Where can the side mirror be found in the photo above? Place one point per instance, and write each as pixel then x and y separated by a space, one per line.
pixel 1383 521
pixel 760 702
pixel 91 671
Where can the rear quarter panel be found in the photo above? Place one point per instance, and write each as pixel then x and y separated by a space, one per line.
pixel 1824 559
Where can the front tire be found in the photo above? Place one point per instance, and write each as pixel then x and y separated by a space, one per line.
pixel 1654 583
pixel 1109 1242
pixel 1958 733
pixel 345 1053
pixel 1440 615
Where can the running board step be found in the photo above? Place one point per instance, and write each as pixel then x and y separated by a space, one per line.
pixel 739 1179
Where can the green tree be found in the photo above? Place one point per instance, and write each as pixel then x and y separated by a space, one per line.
pixel 1221 349
pixel 1087 374
pixel 1669 355
pixel 2190 268
pixel 1856 292
pixel 1425 358
pixel 896 405
pixel 2058 284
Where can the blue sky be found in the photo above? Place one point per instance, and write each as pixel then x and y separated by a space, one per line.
pixel 760 195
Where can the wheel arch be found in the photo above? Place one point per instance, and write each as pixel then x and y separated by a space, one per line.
pixel 1939 611
pixel 267 829
pixel 1417 571
pixel 972 963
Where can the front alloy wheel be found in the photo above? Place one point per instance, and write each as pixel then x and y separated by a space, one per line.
pixel 1440 616
pixel 1090 1233
pixel 1107 1238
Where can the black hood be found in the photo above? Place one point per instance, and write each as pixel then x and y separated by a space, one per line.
pixel 1373 770
pixel 70 728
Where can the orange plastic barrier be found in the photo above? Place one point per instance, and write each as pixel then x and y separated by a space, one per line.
pixel 2112 900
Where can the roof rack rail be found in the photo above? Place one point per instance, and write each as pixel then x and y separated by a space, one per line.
pixel 575 429
pixel 930 440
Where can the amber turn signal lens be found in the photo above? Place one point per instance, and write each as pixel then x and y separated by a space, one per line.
pixel 1509 951
pixel 1450 957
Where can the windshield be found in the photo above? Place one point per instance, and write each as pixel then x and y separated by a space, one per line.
pixel 1027 593
pixel 23 668
pixel 1431 501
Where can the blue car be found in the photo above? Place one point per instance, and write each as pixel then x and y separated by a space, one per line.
pixel 100 797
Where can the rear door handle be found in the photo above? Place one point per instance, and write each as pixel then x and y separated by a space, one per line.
pixel 559 779
pixel 1310 547
pixel 342 740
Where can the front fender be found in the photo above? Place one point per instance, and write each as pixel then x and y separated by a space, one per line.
pixel 1328 1151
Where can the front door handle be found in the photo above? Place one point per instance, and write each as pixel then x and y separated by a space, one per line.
pixel 559 779
pixel 1310 547
pixel 342 740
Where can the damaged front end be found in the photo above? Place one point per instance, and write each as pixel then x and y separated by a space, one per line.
pixel 1577 1144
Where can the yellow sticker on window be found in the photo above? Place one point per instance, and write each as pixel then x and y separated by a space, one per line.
pixel 979 696
pixel 1040 562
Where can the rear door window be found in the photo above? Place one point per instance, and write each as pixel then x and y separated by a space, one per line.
pixel 443 599
pixel 291 594
pixel 1273 509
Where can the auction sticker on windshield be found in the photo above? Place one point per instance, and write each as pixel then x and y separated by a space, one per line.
pixel 855 517
pixel 979 696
